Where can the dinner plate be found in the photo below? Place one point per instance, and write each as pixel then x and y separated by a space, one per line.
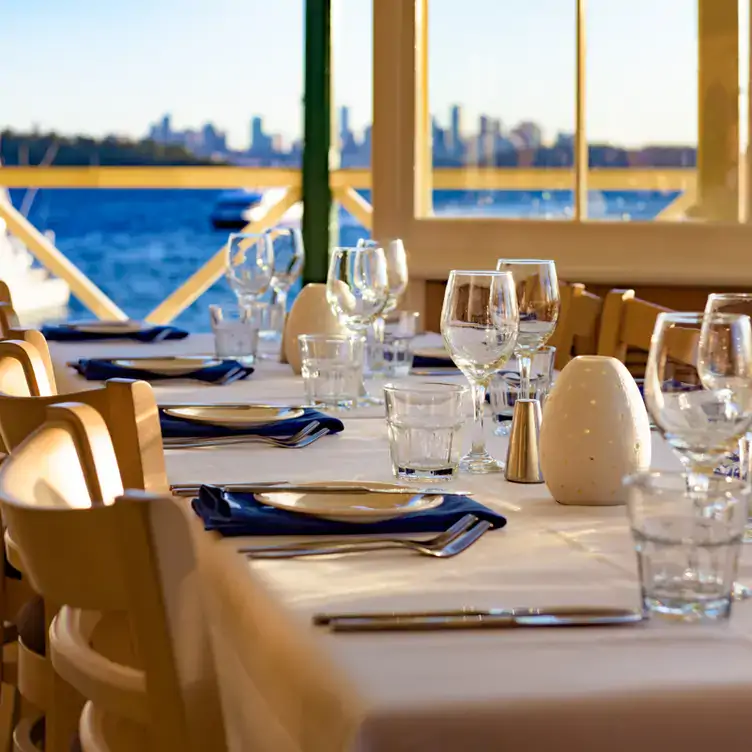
pixel 237 416
pixel 169 366
pixel 107 327
pixel 360 507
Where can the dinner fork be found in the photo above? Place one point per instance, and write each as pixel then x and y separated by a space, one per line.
pixel 302 438
pixel 448 543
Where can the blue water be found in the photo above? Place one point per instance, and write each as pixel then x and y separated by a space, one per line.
pixel 140 245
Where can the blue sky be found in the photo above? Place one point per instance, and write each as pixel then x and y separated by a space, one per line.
pixel 101 66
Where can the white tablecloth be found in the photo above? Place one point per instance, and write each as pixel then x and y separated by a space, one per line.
pixel 652 687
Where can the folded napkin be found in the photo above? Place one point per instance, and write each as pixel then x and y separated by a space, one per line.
pixel 430 361
pixel 65 333
pixel 178 427
pixel 100 370
pixel 240 514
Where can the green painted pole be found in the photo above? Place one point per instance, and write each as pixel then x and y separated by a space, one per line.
pixel 317 140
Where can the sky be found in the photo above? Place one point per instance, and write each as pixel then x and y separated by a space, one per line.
pixel 107 66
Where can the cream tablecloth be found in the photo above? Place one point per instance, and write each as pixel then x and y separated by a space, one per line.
pixel 652 687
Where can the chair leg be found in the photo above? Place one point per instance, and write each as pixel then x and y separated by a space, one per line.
pixel 10 715
pixel 63 716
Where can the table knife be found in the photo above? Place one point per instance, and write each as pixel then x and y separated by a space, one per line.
pixel 324 618
pixel 586 618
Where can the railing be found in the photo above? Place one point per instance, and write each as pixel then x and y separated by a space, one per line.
pixel 343 184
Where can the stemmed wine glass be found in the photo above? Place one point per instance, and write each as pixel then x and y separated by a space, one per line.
pixel 357 289
pixel 698 386
pixel 538 303
pixel 479 324
pixel 250 265
pixel 741 303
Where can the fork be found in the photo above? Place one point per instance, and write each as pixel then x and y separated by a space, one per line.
pixel 302 438
pixel 431 547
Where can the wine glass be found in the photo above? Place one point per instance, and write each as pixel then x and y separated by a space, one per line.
pixel 357 289
pixel 250 265
pixel 698 386
pixel 736 302
pixel 479 324
pixel 538 302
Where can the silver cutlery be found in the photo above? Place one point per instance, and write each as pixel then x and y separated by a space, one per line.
pixel 468 612
pixel 455 546
pixel 302 438
pixel 438 541
pixel 354 488
pixel 616 617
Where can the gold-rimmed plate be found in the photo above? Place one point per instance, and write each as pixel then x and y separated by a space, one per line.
pixel 107 327
pixel 356 507
pixel 172 366
pixel 234 416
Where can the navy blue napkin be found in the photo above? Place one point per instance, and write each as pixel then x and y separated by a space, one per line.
pixel 428 361
pixel 224 372
pixel 65 333
pixel 179 427
pixel 240 514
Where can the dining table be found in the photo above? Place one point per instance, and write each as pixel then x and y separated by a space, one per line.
pixel 657 685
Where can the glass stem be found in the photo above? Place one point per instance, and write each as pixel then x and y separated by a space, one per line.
pixel 745 458
pixel 526 366
pixel 479 403
pixel 279 297
pixel 379 326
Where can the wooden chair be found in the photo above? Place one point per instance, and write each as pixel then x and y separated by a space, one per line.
pixel 627 324
pixel 104 554
pixel 8 319
pixel 130 411
pixel 5 296
pixel 36 338
pixel 577 329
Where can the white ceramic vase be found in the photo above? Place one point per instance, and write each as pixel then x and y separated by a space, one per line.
pixel 310 314
pixel 595 430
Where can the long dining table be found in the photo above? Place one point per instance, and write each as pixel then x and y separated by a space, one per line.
pixel 652 686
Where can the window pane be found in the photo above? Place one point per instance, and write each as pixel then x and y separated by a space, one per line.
pixel 502 98
pixel 149 82
pixel 641 107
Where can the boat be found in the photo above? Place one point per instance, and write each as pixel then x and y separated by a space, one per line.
pixel 235 209
pixel 37 296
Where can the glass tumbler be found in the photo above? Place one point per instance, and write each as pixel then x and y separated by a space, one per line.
pixel 332 369
pixel 236 333
pixel 687 543
pixel 424 422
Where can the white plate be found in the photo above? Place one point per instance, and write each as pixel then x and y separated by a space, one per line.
pixel 239 416
pixel 107 327
pixel 361 507
pixel 169 366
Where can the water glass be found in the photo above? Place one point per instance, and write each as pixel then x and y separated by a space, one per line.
pixel 236 333
pixel 504 389
pixel 397 356
pixel 424 422
pixel 687 543
pixel 332 369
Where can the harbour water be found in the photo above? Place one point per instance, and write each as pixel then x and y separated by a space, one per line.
pixel 140 245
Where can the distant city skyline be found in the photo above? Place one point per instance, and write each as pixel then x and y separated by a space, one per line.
pixel 98 68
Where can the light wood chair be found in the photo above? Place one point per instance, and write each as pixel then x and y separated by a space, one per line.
pixel 104 554
pixel 577 329
pixel 8 319
pixel 36 338
pixel 130 411
pixel 627 325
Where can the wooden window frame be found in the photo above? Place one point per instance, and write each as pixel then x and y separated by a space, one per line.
pixel 707 252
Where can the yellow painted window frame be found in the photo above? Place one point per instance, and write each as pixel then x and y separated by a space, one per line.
pixel 709 251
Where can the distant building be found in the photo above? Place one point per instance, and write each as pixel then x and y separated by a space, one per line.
pixel 529 134
pixel 455 132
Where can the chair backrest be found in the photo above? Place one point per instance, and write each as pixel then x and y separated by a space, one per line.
pixel 129 409
pixel 86 544
pixel 628 323
pixel 5 296
pixel 8 319
pixel 577 329
pixel 37 339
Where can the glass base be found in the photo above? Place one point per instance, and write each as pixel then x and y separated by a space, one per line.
pixel 425 474
pixel 369 400
pixel 681 609
pixel 479 464
pixel 503 428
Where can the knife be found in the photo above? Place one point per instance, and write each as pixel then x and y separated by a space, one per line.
pixel 187 489
pixel 586 618
pixel 323 619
